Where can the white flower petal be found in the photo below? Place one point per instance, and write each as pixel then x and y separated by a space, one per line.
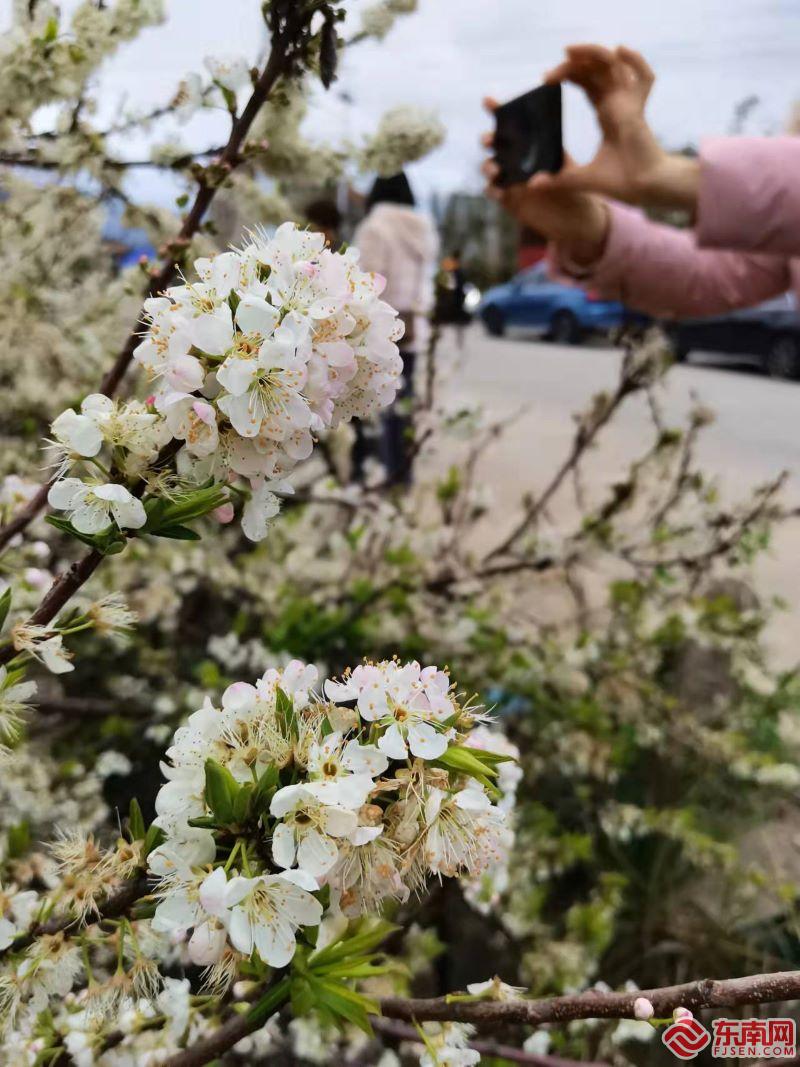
pixel 316 853
pixel 283 845
pixel 338 822
pixel 393 744
pixel 62 495
pixel 241 932
pixel 425 742
pixel 206 944
pixel 254 315
pixel 213 332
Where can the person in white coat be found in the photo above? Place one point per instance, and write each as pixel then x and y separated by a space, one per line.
pixel 399 242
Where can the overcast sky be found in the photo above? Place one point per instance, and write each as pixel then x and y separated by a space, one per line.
pixel 708 55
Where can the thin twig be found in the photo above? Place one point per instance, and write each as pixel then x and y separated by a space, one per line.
pixel 583 440
pixel 593 1004
pixel 403 1032
pixel 118 903
pixel 221 1040
pixel 62 589
pixel 34 162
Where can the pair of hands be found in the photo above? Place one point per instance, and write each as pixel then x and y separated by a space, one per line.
pixel 630 165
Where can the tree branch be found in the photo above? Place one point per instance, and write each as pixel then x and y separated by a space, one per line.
pixel 493 1049
pixel 705 993
pixel 57 596
pixel 34 162
pixel 115 905
pixel 583 440
pixel 209 1048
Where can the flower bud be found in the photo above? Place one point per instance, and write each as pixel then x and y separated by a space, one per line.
pixel 682 1013
pixel 370 814
pixel 643 1009
pixel 224 513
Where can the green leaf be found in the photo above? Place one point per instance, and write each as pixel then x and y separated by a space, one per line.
pixel 264 790
pixel 241 803
pixel 14 675
pixel 204 822
pixel 270 1002
pixel 221 790
pixel 193 505
pixel 144 909
pixel 488 757
pixel 357 970
pixel 448 488
pixel 5 605
pixel 229 97
pixel 284 708
pixel 67 528
pixel 303 1000
pixel 110 542
pixel 467 761
pixel 368 936
pixel 18 840
pixel 344 1002
pixel 152 839
pixel 136 825
pixel 177 533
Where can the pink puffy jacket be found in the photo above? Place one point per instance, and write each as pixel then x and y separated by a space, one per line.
pixel 745 246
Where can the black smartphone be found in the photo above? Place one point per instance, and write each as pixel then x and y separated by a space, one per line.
pixel 528 135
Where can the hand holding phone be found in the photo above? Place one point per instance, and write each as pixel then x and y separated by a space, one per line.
pixel 528 135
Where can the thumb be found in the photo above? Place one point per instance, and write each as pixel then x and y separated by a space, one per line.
pixel 571 177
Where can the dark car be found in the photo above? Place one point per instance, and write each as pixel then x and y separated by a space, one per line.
pixel 768 335
pixel 534 301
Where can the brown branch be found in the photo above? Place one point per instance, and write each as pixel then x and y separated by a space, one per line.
pixel 493 1049
pixel 275 67
pixel 705 993
pixel 205 194
pixel 583 440
pixel 209 1048
pixel 57 596
pixel 118 903
pixel 34 162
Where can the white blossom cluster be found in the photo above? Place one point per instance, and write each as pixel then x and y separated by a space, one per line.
pixel 42 60
pixel 367 789
pixel 447 1045
pixel 378 19
pixel 404 135
pixel 273 343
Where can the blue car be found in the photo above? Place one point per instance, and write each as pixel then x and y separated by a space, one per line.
pixel 534 301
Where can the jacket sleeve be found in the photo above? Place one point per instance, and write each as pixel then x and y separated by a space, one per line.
pixel 749 195
pixel 663 271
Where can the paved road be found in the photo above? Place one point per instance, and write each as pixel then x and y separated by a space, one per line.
pixel 756 433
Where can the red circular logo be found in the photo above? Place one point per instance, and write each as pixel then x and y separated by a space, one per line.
pixel 685 1038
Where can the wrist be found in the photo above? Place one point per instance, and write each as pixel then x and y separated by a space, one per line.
pixel 585 247
pixel 673 182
